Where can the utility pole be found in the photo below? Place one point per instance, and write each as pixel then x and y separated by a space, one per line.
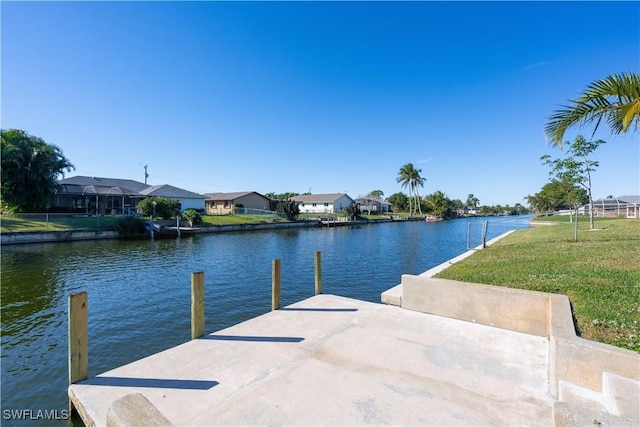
pixel 146 175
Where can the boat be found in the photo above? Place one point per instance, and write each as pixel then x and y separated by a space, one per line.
pixel 432 218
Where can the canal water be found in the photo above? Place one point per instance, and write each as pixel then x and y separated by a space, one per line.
pixel 139 291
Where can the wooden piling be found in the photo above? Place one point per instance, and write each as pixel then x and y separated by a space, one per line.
pixel 78 338
pixel 197 305
pixel 318 272
pixel 275 285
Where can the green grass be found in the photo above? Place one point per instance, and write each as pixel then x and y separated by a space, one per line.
pixel 17 224
pixel 237 219
pixel 600 273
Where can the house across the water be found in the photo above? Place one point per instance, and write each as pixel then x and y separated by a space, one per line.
pixel 113 196
pixel 323 203
pixel 616 207
pixel 227 203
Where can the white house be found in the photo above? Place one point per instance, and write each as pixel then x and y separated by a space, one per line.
pixel 323 203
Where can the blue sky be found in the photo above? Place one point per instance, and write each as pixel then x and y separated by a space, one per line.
pixel 317 96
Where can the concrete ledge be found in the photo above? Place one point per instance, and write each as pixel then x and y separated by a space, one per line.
pixel 56 236
pixel 506 308
pixel 586 374
pixel 135 410
pixel 392 296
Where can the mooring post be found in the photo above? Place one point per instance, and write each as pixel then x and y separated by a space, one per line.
pixel 484 234
pixel 78 341
pixel 318 272
pixel 275 284
pixel 197 305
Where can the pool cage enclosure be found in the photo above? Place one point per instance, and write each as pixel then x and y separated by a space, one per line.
pixel 96 200
pixel 624 207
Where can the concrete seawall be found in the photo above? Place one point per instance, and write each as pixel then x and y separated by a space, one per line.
pixel 56 236
pixel 11 238
pixel 583 374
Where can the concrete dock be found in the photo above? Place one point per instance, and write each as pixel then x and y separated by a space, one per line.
pixel 330 360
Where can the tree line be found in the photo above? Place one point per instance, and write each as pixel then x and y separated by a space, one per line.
pixel 440 205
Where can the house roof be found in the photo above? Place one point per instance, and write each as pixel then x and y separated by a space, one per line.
pixel 320 198
pixel 622 200
pixel 104 182
pixel 166 190
pixel 229 196
pixel 106 191
pixel 93 190
pixel 128 187
pixel 630 199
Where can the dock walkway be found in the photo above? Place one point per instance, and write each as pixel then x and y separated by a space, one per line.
pixel 330 360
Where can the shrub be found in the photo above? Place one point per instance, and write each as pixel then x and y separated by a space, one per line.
pixel 192 216
pixel 289 209
pixel 352 211
pixel 165 208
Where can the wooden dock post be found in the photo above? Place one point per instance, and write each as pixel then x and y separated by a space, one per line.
pixel 318 272
pixel 197 305
pixel 275 284
pixel 78 338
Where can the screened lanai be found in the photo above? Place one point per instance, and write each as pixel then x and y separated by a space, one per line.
pixel 96 199
pixel 617 207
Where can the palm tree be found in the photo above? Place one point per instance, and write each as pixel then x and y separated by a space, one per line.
pixel 472 201
pixel 30 168
pixel 404 178
pixel 417 181
pixel 616 99
pixel 410 177
pixel 438 204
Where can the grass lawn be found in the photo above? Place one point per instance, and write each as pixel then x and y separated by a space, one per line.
pixel 600 273
pixel 18 224
pixel 10 223
pixel 237 219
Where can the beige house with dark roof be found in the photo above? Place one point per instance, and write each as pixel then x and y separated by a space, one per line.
pixel 323 203
pixel 226 203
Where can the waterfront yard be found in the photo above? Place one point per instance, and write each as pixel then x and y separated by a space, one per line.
pixel 43 222
pixel 600 273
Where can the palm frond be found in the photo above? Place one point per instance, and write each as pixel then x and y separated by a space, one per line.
pixel 615 99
